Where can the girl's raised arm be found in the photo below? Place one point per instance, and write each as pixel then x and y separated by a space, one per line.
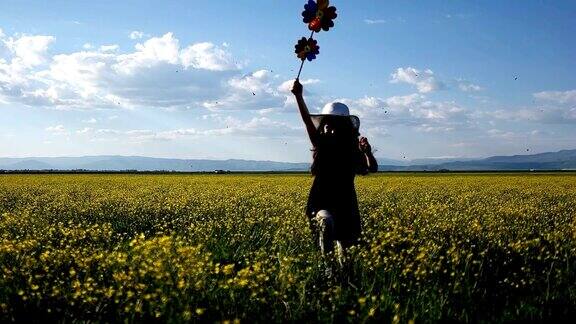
pixel 297 90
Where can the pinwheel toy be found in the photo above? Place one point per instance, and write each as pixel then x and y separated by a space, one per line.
pixel 307 49
pixel 319 15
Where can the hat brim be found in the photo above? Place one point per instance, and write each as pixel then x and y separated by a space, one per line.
pixel 317 120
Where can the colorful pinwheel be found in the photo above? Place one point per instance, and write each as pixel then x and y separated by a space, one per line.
pixel 319 16
pixel 307 49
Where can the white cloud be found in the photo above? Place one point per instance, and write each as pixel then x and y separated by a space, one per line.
pixel 377 131
pixel 136 35
pixel 207 56
pixel 423 80
pixel 157 73
pixel 255 82
pixel 541 133
pixel 561 97
pixel 57 130
pixel 90 121
pixel 286 86
pixel 467 86
pixel 154 51
pixel 28 51
pixel 413 110
pixel 463 144
pixel 84 130
pixel 417 109
pixel 404 101
pixel 506 135
pixel 290 101
pixel 87 46
pixel 257 127
pixel 254 91
pixel 553 107
pixel 426 128
pixel 374 21
pixel 108 131
pixel 109 48
pixel 545 115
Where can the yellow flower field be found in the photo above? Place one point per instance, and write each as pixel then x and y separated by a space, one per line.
pixel 468 247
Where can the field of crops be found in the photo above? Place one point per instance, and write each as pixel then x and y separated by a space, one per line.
pixel 468 247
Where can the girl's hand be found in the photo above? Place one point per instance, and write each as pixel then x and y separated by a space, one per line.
pixel 297 88
pixel 364 145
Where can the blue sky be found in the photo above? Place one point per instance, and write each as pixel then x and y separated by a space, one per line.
pixel 210 79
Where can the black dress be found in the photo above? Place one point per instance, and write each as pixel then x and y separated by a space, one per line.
pixel 333 190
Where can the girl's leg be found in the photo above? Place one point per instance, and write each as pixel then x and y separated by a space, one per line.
pixel 340 253
pixel 341 247
pixel 346 273
pixel 325 224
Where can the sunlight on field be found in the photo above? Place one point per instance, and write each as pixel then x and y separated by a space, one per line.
pixel 238 247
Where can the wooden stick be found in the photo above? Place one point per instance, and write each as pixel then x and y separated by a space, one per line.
pixel 300 71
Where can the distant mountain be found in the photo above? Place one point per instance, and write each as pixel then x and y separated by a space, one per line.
pixel 119 163
pixel 438 160
pixel 562 160
pixel 27 165
pixel 550 157
pixel 385 161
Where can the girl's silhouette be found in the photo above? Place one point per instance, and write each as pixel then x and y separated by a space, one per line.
pixel 339 155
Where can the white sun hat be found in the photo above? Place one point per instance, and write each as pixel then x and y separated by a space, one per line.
pixel 335 109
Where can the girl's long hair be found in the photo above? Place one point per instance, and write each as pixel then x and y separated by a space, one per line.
pixel 336 153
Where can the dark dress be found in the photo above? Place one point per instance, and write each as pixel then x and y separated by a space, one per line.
pixel 333 190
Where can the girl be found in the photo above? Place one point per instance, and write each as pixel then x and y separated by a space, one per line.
pixel 339 155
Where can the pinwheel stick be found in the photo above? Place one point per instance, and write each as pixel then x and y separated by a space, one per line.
pixel 300 71
pixel 303 60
